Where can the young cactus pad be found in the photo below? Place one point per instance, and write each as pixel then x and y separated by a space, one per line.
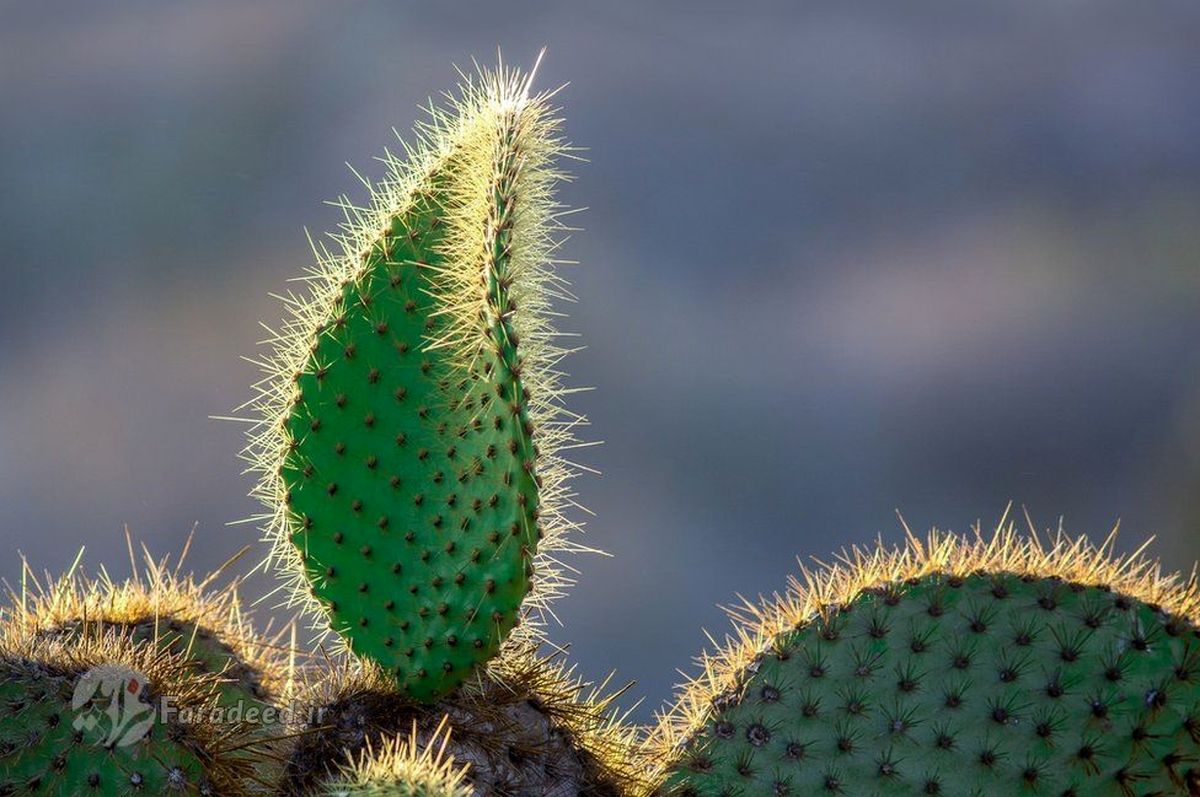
pixel 952 667
pixel 410 418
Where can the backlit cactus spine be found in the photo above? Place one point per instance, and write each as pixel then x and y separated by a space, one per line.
pixel 161 605
pixel 402 767
pixel 410 422
pixel 951 666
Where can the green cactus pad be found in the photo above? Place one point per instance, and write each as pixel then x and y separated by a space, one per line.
pixel 69 762
pixel 958 677
pixel 415 511
pixel 410 419
pixel 67 733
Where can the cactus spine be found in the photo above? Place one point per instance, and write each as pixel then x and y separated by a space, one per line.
pixel 403 767
pixel 161 605
pixel 951 666
pixel 410 420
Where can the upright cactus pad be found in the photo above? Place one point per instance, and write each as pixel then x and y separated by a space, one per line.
pixel 84 717
pixel 410 420
pixel 403 766
pixel 952 667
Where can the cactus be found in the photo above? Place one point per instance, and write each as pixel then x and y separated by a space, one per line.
pixel 402 767
pixel 83 716
pixel 408 439
pixel 410 421
pixel 951 666
pixel 522 726
pixel 203 626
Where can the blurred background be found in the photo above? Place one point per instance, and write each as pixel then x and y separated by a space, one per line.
pixel 840 260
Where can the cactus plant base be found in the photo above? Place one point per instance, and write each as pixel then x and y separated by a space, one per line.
pixel 525 726
pixel 990 683
pixel 513 748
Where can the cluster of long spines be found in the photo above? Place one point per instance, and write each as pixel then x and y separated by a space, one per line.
pixel 527 233
pixel 161 602
pixel 403 766
pixel 490 718
pixel 200 756
pixel 818 599
pixel 586 712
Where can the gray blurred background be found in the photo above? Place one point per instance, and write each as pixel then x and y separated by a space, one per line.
pixel 839 260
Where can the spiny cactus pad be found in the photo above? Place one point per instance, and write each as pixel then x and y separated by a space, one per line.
pixel 201 624
pixel 206 652
pixel 403 766
pixel 83 717
pixel 954 668
pixel 410 418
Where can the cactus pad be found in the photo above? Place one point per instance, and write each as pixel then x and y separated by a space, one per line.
pixel 953 668
pixel 83 717
pixel 410 420
pixel 200 624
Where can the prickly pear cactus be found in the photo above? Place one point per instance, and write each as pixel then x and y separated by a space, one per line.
pixel 952 667
pixel 84 717
pixel 410 421
pixel 402 767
